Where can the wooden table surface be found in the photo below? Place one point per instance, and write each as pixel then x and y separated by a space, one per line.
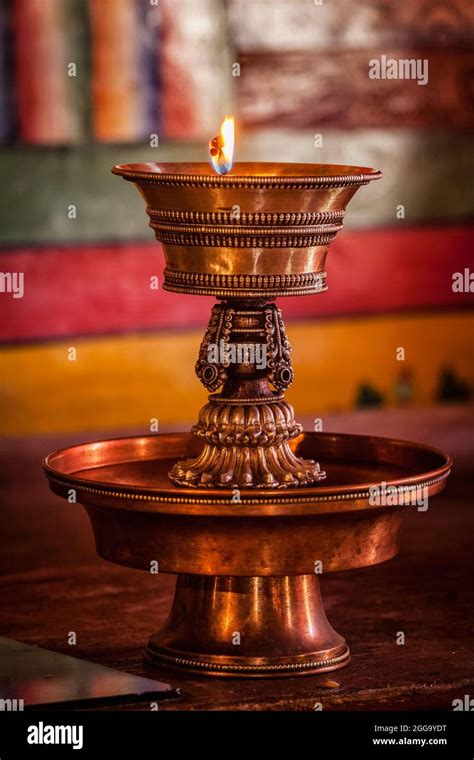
pixel 52 583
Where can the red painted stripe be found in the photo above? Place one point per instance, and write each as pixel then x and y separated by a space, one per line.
pixel 86 290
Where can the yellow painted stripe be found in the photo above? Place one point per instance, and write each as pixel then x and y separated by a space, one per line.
pixel 128 380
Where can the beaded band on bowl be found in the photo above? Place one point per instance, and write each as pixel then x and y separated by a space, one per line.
pixel 246 218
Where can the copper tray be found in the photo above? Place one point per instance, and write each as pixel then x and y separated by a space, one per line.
pixel 247 601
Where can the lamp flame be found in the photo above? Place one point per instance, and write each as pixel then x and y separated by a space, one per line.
pixel 221 148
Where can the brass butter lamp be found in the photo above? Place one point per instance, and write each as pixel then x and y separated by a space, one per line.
pixel 247 510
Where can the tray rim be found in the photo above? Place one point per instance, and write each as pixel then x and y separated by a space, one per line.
pixel 171 499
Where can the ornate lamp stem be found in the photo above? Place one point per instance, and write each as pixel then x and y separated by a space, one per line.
pixel 247 427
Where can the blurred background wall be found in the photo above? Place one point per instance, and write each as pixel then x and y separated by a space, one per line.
pixel 84 85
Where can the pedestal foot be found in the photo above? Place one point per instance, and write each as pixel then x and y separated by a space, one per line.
pixel 248 627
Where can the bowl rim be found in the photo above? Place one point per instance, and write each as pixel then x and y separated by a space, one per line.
pixel 264 174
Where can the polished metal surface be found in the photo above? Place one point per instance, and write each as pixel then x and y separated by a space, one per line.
pixel 257 232
pixel 138 516
pixel 255 627
pixel 248 510
pixel 247 567
pixel 260 231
